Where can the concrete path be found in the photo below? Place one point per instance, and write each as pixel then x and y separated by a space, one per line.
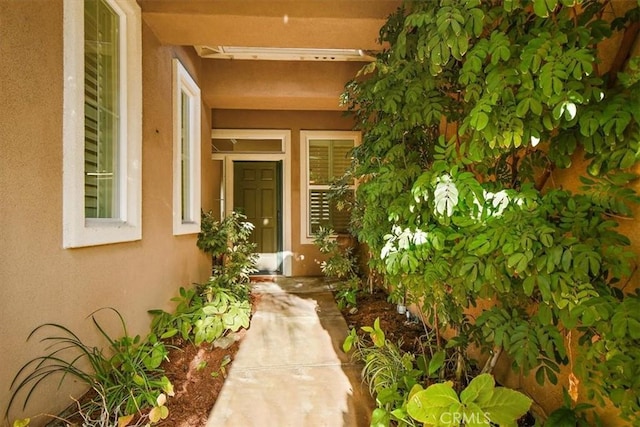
pixel 290 369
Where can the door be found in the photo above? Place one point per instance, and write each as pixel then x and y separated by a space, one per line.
pixel 257 194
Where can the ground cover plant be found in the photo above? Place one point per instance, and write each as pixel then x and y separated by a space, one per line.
pixel 128 388
pixel 133 381
pixel 466 118
pixel 401 361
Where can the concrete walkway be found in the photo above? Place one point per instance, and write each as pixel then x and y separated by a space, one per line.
pixel 290 369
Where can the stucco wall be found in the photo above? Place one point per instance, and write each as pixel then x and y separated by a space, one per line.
pixel 306 257
pixel 39 281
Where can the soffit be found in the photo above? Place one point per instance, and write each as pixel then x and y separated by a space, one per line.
pixel 337 24
pixel 247 84
pixel 275 85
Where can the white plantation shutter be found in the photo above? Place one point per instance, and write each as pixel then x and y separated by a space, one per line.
pixel 101 109
pixel 185 159
pixel 319 162
pixel 324 213
pixel 340 157
pixel 319 210
pixel 328 160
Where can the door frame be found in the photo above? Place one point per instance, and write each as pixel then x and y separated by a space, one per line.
pixel 226 190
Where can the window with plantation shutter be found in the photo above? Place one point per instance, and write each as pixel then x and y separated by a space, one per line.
pixel 102 118
pixel 324 212
pixel 326 156
pixel 101 109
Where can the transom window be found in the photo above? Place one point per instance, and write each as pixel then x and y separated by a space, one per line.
pixel 326 156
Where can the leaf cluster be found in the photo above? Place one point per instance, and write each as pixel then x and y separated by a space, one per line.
pixel 465 115
pixel 229 243
pixel 341 263
pixel 480 403
pixel 203 314
pixel 391 372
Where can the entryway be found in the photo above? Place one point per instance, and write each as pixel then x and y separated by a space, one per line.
pixel 256 180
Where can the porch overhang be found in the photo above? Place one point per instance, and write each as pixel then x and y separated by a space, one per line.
pixel 288 84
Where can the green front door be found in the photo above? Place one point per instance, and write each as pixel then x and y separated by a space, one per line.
pixel 256 193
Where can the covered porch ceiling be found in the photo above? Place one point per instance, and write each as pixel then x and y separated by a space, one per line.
pixel 305 82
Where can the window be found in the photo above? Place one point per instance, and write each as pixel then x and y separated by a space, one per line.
pixel 325 157
pixel 245 141
pixel 186 151
pixel 101 122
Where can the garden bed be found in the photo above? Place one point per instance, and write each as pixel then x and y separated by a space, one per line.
pixel 398 328
pixel 197 375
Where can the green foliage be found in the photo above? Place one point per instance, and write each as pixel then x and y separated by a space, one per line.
pixel 181 321
pixel 478 404
pixel 569 415
pixel 210 311
pixel 341 263
pixel 126 377
pixel 229 243
pixel 222 313
pixel 203 314
pixel 391 372
pixel 611 349
pixel 347 294
pixel 464 117
pixel 214 235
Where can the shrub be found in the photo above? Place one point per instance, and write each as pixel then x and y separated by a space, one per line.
pixel 125 377
pixel 465 116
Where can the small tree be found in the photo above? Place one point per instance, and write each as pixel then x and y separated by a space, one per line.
pixel 464 117
pixel 228 243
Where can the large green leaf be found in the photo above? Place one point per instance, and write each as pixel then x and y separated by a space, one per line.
pixel 505 406
pixel 480 389
pixel 428 405
pixel 474 416
pixel 436 362
pixel 380 418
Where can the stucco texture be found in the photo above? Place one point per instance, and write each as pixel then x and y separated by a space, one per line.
pixel 39 280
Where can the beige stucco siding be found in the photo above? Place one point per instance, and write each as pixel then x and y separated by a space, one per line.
pixel 39 280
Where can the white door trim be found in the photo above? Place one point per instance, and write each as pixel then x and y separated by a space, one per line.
pixel 227 175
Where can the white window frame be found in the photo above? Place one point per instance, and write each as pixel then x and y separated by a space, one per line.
pixel 306 237
pixel 184 83
pixel 79 231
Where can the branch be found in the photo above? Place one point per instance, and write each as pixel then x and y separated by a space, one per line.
pixel 629 37
pixel 545 176
pixel 491 362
